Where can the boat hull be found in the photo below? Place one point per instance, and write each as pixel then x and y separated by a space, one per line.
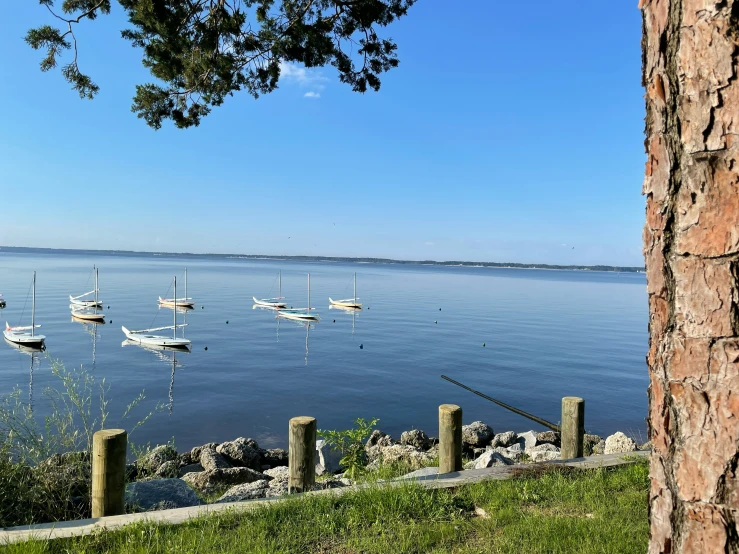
pixel 86 303
pixel 270 303
pixel 156 340
pixel 179 303
pixel 345 303
pixel 297 316
pixel 25 339
pixel 99 318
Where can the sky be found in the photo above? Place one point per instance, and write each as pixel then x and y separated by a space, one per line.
pixel 509 133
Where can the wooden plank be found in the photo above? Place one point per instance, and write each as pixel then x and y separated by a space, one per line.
pixel 76 528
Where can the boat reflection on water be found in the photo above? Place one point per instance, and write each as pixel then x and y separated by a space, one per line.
pixel 272 309
pixel 168 355
pixel 347 310
pixel 91 327
pixel 34 352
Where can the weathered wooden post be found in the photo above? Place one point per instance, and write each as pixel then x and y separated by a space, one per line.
pixel 109 472
pixel 302 454
pixel 573 427
pixel 450 438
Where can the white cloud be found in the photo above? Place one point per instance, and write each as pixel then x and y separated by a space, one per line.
pixel 302 76
pixel 312 94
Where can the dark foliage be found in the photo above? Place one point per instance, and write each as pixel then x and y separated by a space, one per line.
pixel 202 51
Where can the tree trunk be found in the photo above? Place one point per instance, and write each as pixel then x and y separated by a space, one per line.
pixel 691 245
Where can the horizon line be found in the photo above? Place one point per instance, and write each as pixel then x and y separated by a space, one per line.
pixel 369 259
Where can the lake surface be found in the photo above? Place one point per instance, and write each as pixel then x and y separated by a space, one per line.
pixel 547 334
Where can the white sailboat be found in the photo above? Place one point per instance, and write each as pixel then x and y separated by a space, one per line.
pixel 300 314
pixel 88 310
pixel 26 336
pixel 94 303
pixel 146 338
pixel 348 302
pixel 184 302
pixel 274 303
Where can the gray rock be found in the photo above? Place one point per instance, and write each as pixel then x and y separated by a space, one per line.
pixel 190 468
pixel 185 459
pixel 330 484
pixel 491 458
pixel 246 491
pixel 277 487
pixel 279 472
pixel 417 438
pixel 619 443
pixel 477 434
pixel 503 439
pixel 195 452
pixel 423 472
pixel 151 461
pixel 515 447
pixel 160 494
pixel 211 480
pixel 327 458
pixel 274 457
pixel 469 465
pixel 646 446
pixel 240 453
pixel 599 448
pixel 550 437
pixel 400 454
pixel 378 438
pixel 168 469
pixel 589 442
pixel 513 456
pixel 543 452
pixel 527 440
pixel 212 460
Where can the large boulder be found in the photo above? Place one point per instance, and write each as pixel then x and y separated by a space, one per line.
pixel 328 458
pixel 278 473
pixel 619 443
pixel 211 480
pixel 589 444
pixel 168 469
pixel 491 458
pixel 190 468
pixel 416 438
pixel 152 460
pixel 274 457
pixel 527 440
pixel 543 452
pixel 378 438
pixel 212 460
pixel 240 453
pixel 550 437
pixel 247 491
pixel 160 494
pixel 400 454
pixel 503 439
pixel 196 451
pixel 477 434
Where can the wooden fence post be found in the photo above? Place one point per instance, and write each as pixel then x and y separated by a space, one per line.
pixel 302 454
pixel 573 427
pixel 109 472
pixel 450 438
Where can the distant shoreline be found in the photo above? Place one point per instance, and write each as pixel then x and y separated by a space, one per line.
pixel 449 263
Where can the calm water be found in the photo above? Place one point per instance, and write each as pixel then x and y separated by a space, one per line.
pixel 548 334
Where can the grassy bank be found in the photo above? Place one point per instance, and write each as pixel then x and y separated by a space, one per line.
pixel 559 511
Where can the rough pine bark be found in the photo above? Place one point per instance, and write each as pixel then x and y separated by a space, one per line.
pixel 691 245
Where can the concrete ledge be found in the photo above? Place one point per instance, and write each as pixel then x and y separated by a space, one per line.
pixel 64 529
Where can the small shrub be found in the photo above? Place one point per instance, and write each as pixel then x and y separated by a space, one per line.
pixel 351 445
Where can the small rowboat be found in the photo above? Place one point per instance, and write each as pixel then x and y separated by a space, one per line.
pixel 175 302
pixel 88 314
pixel 93 303
pixel 26 336
pixel 349 302
pixel 274 303
pixel 145 337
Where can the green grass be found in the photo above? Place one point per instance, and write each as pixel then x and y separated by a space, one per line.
pixel 557 511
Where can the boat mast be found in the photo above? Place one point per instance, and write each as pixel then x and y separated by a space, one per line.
pixel 355 288
pixel 33 305
pixel 96 285
pixel 174 331
pixel 309 293
pixel 279 293
pixel 175 296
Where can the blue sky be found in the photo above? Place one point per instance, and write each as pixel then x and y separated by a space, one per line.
pixel 509 132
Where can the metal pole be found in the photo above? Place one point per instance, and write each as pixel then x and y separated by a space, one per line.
pixel 532 417
pixel 33 306
pixel 174 331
